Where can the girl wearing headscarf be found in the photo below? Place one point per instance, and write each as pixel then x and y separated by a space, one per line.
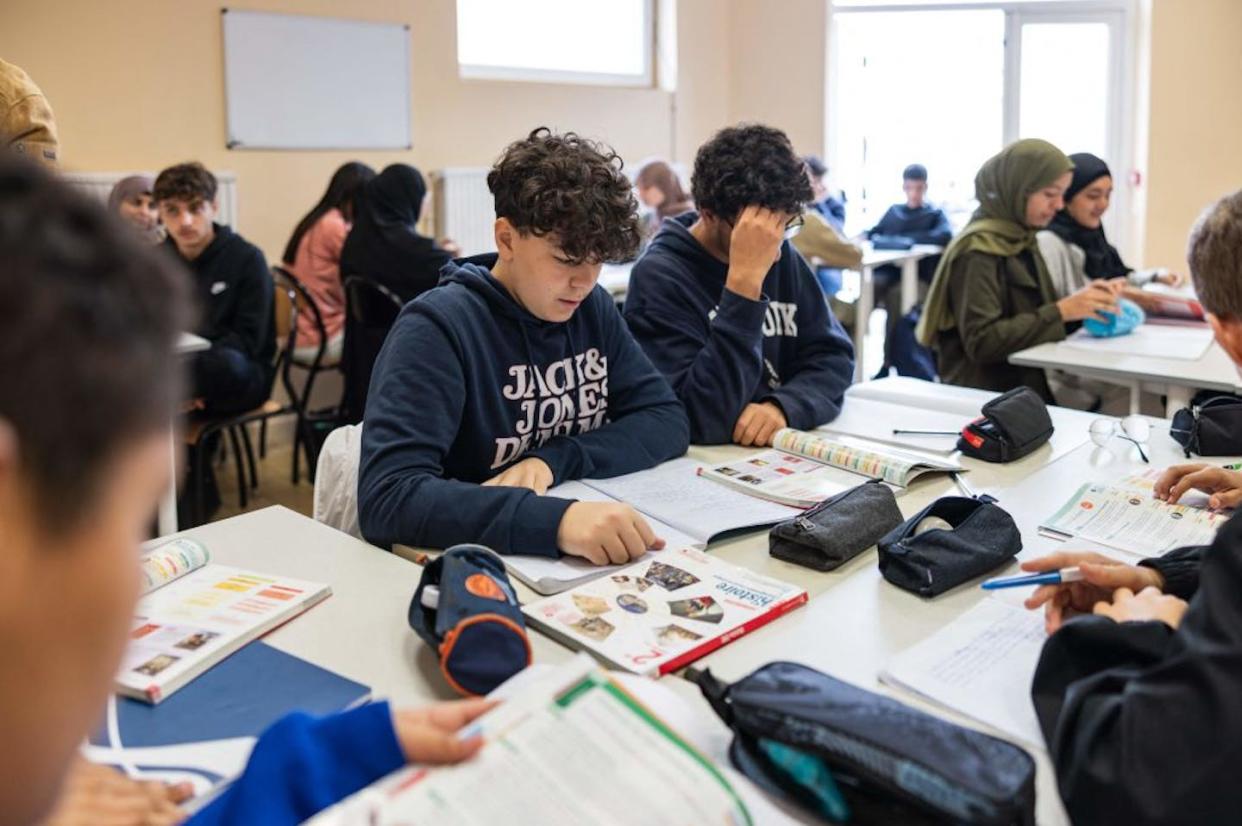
pixel 1074 245
pixel 384 247
pixel 131 199
pixel 991 295
pixel 313 256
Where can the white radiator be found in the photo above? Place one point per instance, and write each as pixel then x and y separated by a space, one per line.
pixel 464 209
pixel 99 185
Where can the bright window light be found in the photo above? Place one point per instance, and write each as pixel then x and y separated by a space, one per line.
pixel 572 41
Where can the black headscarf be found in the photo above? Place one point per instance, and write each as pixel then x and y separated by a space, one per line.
pixel 383 244
pixel 1103 261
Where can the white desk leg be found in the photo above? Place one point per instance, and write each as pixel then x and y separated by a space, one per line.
pixel 1175 399
pixel 168 503
pixel 909 285
pixel 862 318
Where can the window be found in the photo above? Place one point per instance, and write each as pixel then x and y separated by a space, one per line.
pixel 948 86
pixel 607 42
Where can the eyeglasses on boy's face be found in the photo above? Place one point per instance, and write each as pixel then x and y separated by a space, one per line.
pixel 792 227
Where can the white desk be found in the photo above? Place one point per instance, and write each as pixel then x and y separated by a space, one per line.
pixel 167 521
pixel 615 278
pixel 908 260
pixel 1177 379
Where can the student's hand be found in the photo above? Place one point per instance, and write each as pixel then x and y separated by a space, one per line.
pixel 451 247
pixel 758 424
pixel 1172 279
pixel 605 533
pixel 429 735
pixel 1101 577
pixel 1147 604
pixel 754 247
pixel 532 473
pixel 1089 302
pixel 95 794
pixel 1224 486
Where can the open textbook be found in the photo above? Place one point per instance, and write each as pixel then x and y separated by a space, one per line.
pixel 682 508
pixel 664 612
pixel 1124 515
pixel 980 665
pixel 806 468
pixel 571 747
pixel 194 614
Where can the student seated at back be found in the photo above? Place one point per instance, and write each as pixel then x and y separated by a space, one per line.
pixel 991 295
pixel 313 255
pixel 83 463
pixel 517 373
pixel 1137 688
pixel 234 290
pixel 1075 247
pixel 915 220
pixel 729 311
pixel 132 199
pixel 383 246
pixel 659 190
pixel 824 201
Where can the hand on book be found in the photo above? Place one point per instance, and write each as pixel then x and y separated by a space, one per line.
pixel 1145 606
pixel 532 473
pixel 1101 577
pixel 94 794
pixel 758 424
pixel 605 533
pixel 429 735
pixel 1223 486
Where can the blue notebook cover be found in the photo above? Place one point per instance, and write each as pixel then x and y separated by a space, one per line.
pixel 204 732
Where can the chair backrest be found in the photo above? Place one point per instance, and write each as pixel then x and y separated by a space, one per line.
pixel 306 307
pixel 336 480
pixel 370 303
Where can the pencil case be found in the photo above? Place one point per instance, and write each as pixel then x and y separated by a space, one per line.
pixel 1013 425
pixel 466 610
pixel 848 754
pixel 837 529
pixel 982 537
pixel 1210 426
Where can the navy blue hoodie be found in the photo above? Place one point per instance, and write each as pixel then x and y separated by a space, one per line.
pixel 468 382
pixel 722 351
pixel 925 225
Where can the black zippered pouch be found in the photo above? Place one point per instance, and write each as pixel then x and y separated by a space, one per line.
pixel 1210 426
pixel 838 529
pixel 984 537
pixel 889 763
pixel 1013 424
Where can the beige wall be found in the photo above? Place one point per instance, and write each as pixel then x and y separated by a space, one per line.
pixel 138 86
pixel 1194 146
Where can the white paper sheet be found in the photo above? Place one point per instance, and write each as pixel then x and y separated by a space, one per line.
pixel 1180 343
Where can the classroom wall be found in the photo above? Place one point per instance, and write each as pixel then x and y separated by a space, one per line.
pixel 139 86
pixel 1193 153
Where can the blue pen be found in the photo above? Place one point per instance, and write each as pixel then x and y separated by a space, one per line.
pixel 1047 578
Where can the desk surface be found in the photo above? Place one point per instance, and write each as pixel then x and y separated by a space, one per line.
pixel 1212 371
pixel 854 623
pixel 873 257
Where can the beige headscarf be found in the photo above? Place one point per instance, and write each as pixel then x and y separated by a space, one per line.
pixel 998 227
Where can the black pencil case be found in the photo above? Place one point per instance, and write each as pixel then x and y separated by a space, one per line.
pixel 1013 425
pixel 837 529
pixel 984 537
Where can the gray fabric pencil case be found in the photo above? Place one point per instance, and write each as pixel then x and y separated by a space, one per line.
pixel 837 529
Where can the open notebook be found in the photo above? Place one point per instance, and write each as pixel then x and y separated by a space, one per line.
pixel 194 614
pixel 684 509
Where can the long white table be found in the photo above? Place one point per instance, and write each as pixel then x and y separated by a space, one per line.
pixel 1177 379
pixel 853 625
pixel 908 260
pixel 167 520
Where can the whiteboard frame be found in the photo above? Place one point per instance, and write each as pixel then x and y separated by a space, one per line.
pixel 234 144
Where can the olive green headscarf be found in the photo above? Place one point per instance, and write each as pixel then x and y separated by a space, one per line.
pixel 998 227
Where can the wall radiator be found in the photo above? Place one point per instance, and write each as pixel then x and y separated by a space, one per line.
pixel 463 208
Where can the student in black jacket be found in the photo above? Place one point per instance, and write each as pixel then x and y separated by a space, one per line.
pixel 729 311
pixel 234 291
pixel 1139 688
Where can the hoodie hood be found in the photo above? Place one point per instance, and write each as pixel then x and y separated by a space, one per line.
pixel 674 238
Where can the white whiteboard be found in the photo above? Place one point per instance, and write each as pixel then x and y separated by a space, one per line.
pixel 299 82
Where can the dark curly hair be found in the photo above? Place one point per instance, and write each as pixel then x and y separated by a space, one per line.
pixel 749 165
pixel 185 181
pixel 570 187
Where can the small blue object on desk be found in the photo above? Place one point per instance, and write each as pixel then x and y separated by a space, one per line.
pixel 1123 322
pixel 1047 578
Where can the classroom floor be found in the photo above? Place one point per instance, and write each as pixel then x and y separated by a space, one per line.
pixel 275 485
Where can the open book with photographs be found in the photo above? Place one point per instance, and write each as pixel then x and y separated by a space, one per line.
pixel 805 468
pixel 194 613
pixel 663 612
